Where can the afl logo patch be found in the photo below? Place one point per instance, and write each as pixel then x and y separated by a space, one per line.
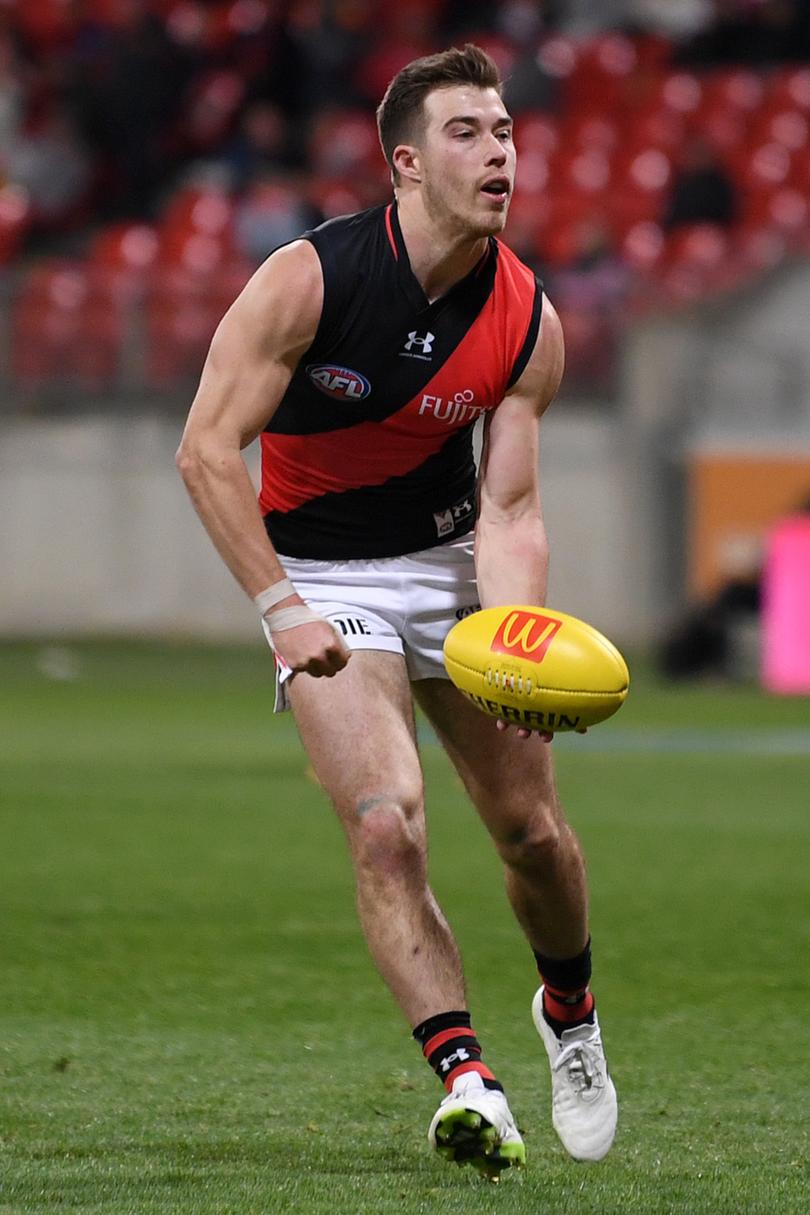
pixel 340 382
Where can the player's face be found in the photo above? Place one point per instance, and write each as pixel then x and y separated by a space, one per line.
pixel 468 158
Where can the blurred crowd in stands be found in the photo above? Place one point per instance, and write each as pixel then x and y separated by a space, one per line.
pixel 152 152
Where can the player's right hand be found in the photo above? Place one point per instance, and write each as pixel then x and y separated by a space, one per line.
pixel 314 648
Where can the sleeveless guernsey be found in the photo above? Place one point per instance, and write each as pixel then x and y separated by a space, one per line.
pixel 369 453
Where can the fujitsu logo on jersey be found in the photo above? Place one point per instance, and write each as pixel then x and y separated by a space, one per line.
pixel 340 382
pixel 458 408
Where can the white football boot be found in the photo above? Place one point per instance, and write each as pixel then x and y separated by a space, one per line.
pixel 584 1108
pixel 474 1125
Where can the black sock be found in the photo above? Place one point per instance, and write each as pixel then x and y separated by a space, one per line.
pixel 567 1002
pixel 451 1048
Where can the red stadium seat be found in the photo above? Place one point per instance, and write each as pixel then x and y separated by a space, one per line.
pixel 790 88
pixel 723 129
pixel 120 259
pixel 598 81
pixel 789 128
pixel 558 56
pixel 184 304
pixel 785 209
pixel 732 89
pixel 207 211
pixel 657 127
pixel 585 171
pixel 653 53
pixel 533 173
pixel 681 92
pixel 628 207
pixel 591 132
pixel 648 170
pixel 181 317
pixel 641 182
pixel 536 131
pixel 699 260
pixel 126 246
pixel 195 252
pixel 763 167
pixel 65 327
pixel 642 246
pixel 705 246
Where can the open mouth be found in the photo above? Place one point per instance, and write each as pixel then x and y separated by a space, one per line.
pixel 497 188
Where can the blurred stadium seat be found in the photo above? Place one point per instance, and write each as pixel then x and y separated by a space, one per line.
pixel 66 325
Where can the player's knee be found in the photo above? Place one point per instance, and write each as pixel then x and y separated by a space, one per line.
pixel 388 835
pixel 534 847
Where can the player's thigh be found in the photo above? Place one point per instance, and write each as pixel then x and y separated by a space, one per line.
pixel 509 779
pixel 359 732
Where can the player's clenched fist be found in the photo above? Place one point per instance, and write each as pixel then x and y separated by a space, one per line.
pixel 313 647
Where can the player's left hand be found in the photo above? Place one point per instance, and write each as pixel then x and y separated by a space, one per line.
pixel 522 732
pixel 544 735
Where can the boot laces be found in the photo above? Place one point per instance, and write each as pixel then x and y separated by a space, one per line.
pixel 583 1062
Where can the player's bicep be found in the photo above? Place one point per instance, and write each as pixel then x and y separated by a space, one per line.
pixel 257 346
pixel 508 479
pixel 509 467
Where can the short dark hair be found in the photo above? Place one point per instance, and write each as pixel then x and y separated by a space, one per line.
pixel 401 110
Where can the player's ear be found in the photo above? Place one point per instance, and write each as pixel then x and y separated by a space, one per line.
pixel 407 162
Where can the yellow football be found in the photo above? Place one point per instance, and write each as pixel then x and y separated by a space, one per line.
pixel 536 667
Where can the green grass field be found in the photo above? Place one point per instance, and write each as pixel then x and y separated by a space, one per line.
pixel 188 1018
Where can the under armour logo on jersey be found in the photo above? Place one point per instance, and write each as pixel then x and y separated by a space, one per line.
pixel 424 344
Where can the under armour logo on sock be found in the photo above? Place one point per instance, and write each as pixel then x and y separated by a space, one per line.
pixel 458 1056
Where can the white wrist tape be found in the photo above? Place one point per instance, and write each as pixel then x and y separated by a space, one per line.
pixel 273 594
pixel 291 617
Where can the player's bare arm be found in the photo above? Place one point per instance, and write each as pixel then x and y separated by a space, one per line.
pixel 511 550
pixel 252 357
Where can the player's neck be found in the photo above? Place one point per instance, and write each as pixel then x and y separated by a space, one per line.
pixel 440 256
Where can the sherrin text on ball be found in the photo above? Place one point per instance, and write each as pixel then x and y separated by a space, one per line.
pixel 535 667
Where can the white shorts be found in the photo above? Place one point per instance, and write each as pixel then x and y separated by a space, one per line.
pixel 404 605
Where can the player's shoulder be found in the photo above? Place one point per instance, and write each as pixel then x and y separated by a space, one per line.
pixel 280 306
pixel 291 272
pixel 343 232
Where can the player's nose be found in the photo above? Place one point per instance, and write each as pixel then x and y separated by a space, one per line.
pixel 496 152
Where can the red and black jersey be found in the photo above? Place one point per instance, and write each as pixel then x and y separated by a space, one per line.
pixel 369 453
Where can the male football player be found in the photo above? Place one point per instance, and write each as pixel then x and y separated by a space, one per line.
pixel 363 354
